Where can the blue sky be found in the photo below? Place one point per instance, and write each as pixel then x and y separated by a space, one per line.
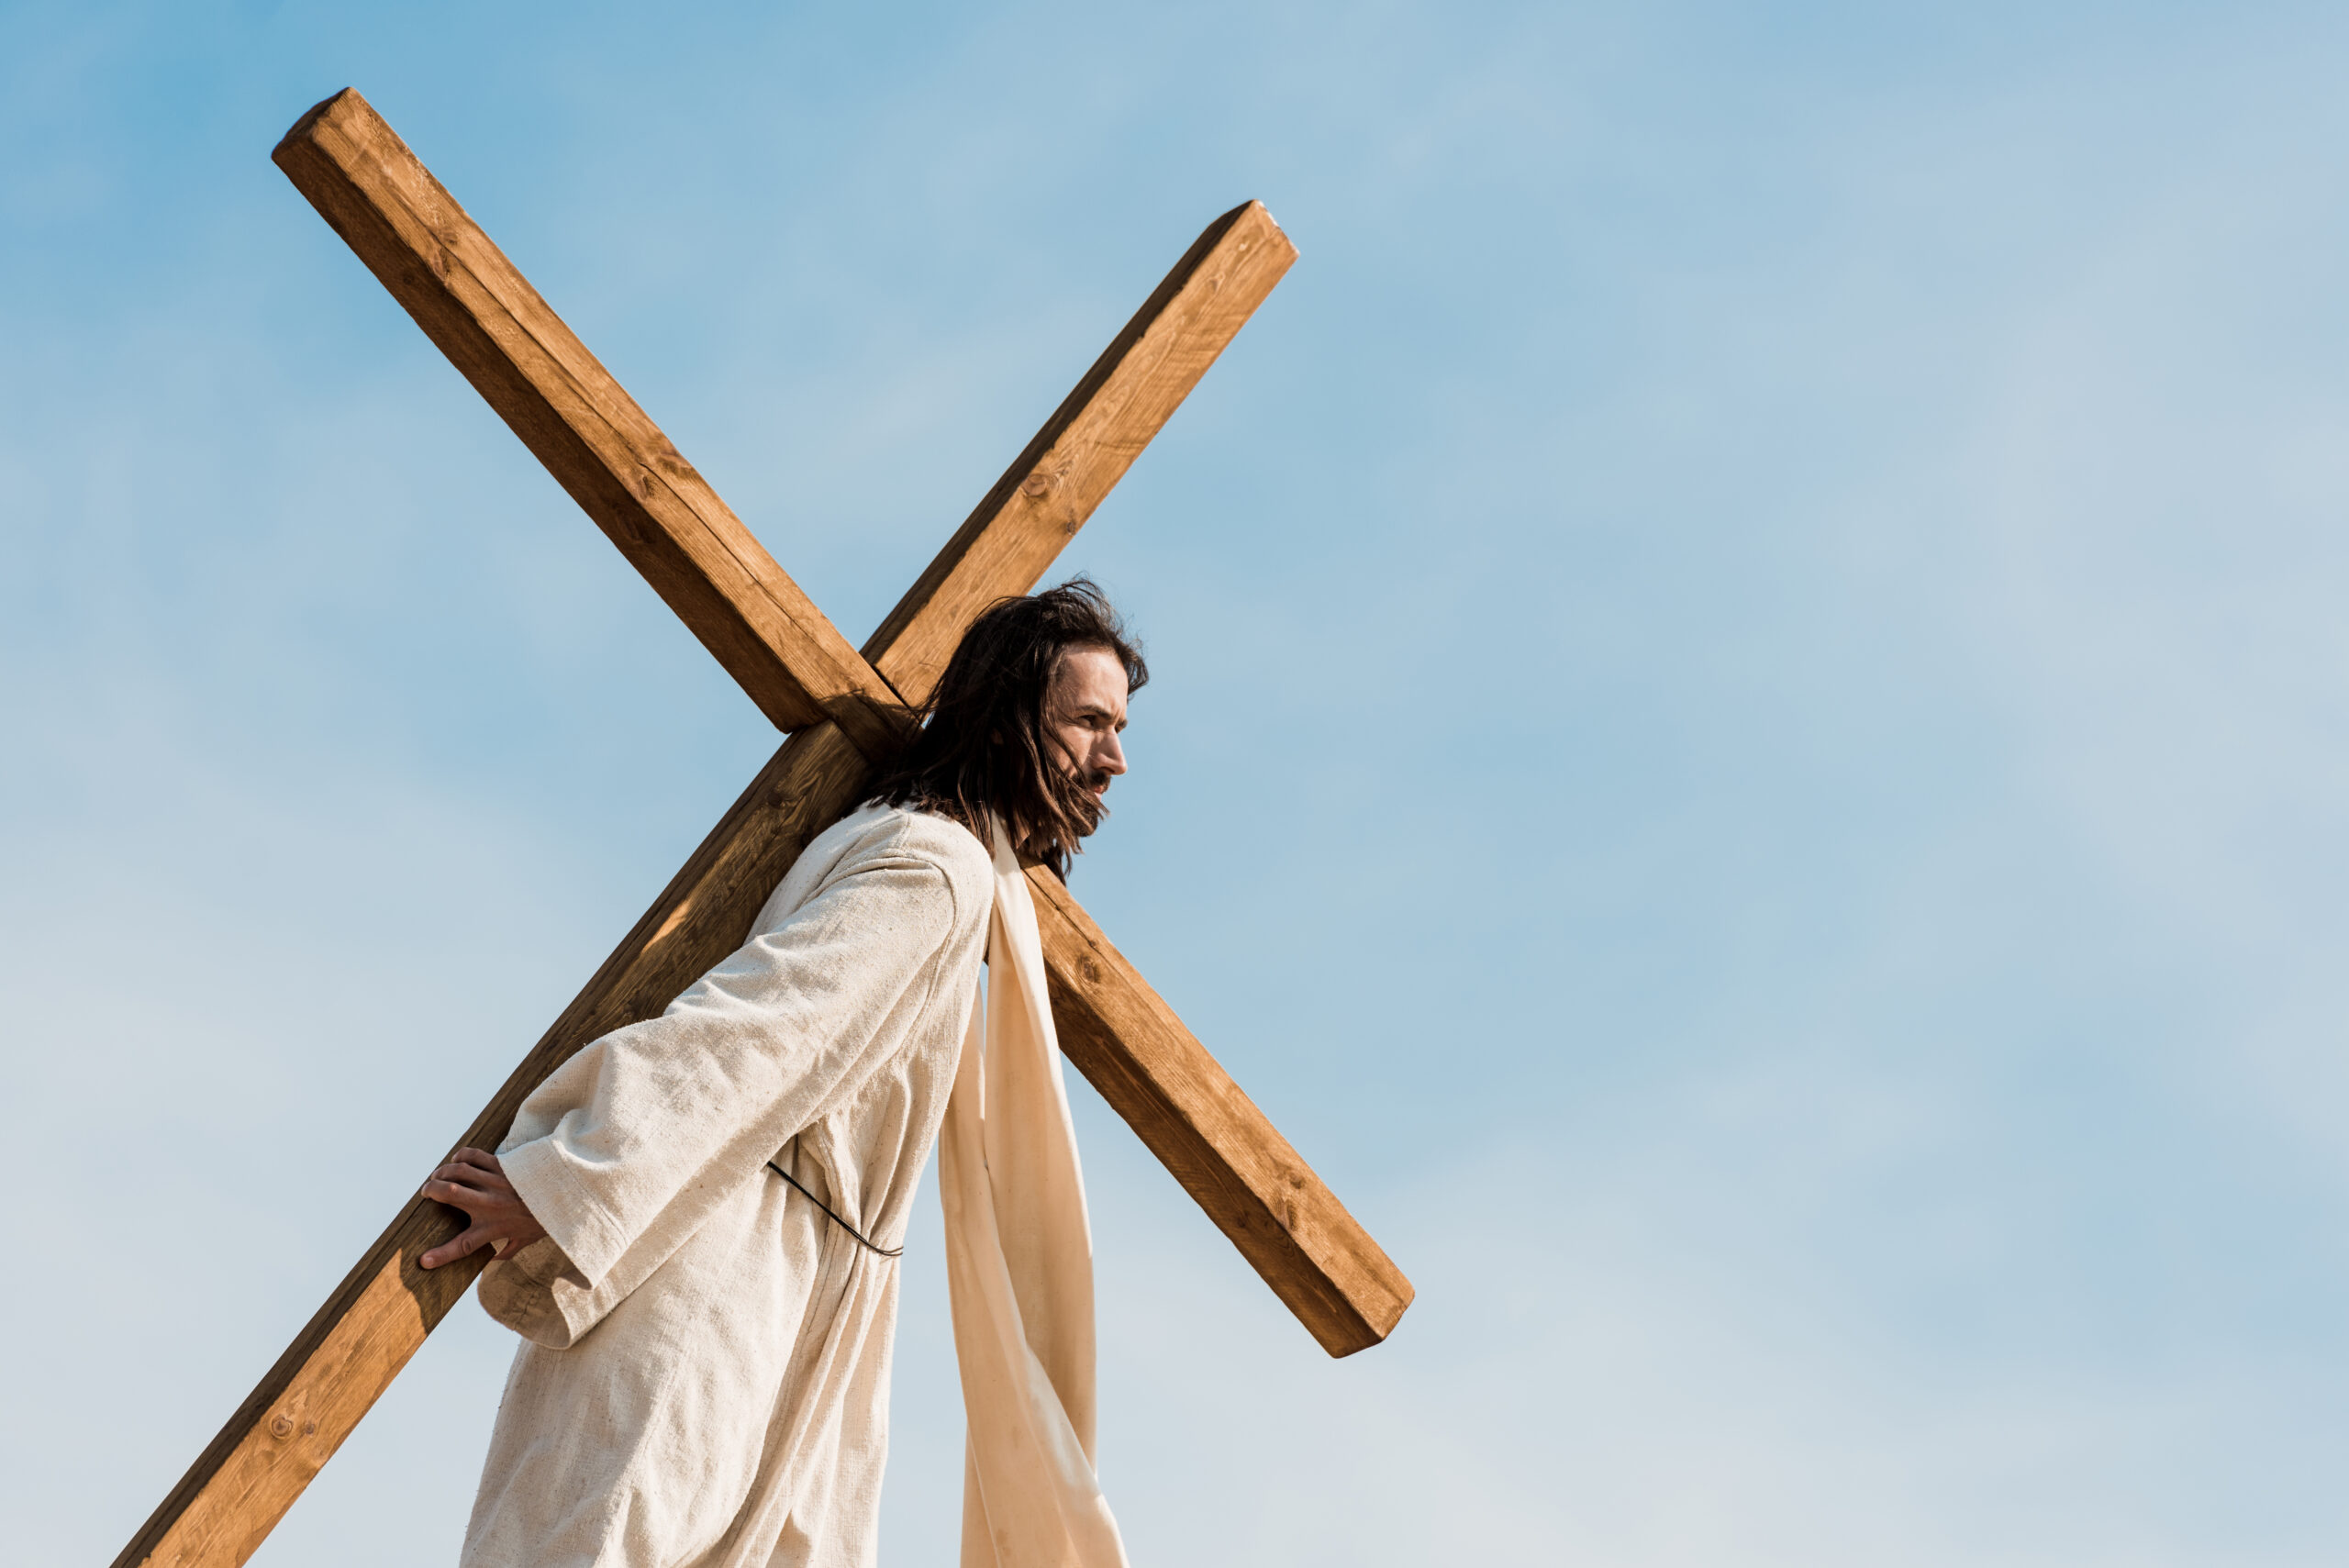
pixel 1748 749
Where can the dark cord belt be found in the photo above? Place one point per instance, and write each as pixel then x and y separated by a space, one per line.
pixel 819 1202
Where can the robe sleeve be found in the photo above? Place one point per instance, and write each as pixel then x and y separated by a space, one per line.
pixel 628 1145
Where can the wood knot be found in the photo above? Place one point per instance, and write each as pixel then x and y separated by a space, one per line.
pixel 281 1426
pixel 1036 485
pixel 1090 970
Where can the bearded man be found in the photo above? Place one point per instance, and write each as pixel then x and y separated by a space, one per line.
pixel 695 1220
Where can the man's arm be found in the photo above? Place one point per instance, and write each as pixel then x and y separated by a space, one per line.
pixel 624 1149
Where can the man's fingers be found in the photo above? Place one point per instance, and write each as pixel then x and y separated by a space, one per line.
pixel 473 1176
pixel 457 1197
pixel 473 1169
pixel 479 1178
pixel 473 1239
pixel 466 1188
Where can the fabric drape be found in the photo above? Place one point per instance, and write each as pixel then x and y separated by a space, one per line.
pixel 1020 1268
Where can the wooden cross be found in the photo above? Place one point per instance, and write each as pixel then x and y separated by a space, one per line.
pixel 845 711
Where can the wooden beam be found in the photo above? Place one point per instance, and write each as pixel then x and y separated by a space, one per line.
pixel 591 435
pixel 1018 529
pixel 1130 1046
pixel 358 1341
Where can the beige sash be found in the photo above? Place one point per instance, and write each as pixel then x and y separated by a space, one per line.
pixel 1020 1268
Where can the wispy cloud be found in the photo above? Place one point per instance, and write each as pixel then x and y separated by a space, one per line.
pixel 1747 747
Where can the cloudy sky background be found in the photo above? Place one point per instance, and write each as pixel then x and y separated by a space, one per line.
pixel 1750 748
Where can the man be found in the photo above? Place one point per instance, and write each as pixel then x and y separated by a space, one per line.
pixel 695 1219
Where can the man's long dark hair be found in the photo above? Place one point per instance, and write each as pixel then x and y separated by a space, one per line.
pixel 983 747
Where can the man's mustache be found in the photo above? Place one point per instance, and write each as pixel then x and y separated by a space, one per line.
pixel 1085 801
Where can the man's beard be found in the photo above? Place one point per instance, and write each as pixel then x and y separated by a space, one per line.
pixel 1087 807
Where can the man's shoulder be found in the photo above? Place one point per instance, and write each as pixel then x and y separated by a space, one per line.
pixel 874 831
pixel 882 838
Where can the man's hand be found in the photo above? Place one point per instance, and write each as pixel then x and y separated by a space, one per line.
pixel 475 1182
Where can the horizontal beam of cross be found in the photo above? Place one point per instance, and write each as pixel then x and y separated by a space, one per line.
pixel 1204 1128
pixel 1118 1032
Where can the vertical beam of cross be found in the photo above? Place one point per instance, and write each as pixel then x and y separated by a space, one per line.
pixel 480 310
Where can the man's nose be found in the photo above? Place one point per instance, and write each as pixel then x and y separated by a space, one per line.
pixel 1110 758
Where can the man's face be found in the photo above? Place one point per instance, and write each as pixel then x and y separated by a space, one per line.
pixel 1084 712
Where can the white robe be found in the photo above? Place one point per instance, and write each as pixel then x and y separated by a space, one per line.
pixel 704 1377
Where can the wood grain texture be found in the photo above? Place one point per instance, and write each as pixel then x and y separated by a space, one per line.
pixel 357 1342
pixel 1091 439
pixel 1153 1071
pixel 602 448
